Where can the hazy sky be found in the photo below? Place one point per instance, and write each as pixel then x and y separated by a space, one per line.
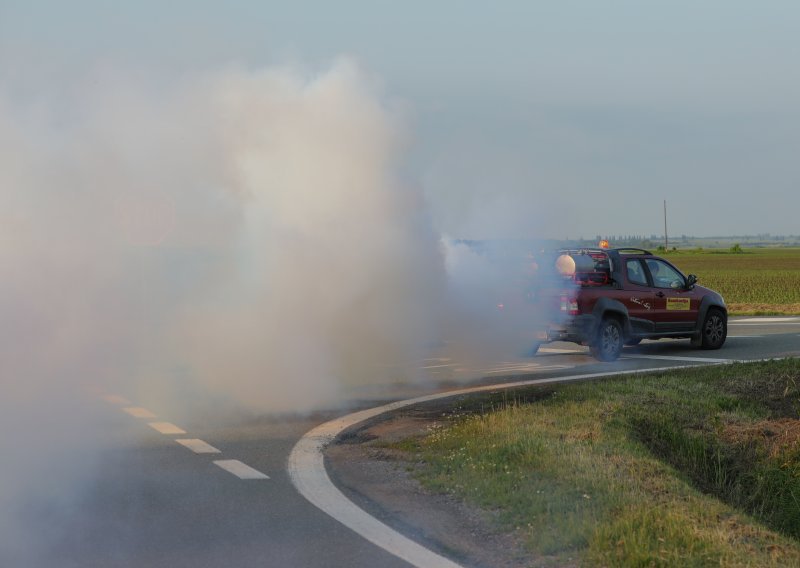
pixel 558 118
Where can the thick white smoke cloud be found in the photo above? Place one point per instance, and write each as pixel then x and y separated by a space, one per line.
pixel 337 268
pixel 493 305
pixel 242 231
pixel 247 226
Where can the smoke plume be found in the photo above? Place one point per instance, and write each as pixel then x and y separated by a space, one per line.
pixel 243 232
pixel 247 226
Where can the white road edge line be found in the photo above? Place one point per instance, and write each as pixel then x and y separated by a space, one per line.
pixel 677 358
pixel 307 472
pixel 746 323
pixel 767 320
pixel 240 470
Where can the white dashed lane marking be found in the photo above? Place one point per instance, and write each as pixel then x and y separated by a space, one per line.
pixel 240 470
pixel 166 428
pixel 198 446
pixel 139 412
pixel 116 399
pixel 237 468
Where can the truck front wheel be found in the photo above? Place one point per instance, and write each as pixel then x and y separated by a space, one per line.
pixel 608 344
pixel 714 330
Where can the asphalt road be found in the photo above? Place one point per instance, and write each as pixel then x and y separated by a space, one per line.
pixel 151 501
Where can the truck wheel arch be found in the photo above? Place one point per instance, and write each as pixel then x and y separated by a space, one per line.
pixel 606 307
pixel 705 304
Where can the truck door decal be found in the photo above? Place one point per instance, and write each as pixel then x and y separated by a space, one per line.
pixel 682 304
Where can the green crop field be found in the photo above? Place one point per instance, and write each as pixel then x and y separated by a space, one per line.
pixel 755 281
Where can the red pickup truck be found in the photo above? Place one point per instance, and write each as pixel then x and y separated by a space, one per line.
pixel 608 298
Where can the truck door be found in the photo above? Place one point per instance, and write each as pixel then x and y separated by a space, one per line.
pixel 675 307
pixel 638 297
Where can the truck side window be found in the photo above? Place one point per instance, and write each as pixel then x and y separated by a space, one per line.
pixel 664 276
pixel 636 274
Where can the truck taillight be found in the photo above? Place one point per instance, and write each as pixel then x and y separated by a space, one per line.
pixel 569 305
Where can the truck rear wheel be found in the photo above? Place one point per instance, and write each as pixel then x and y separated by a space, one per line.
pixel 608 344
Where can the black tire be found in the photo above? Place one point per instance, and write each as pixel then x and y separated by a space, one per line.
pixel 714 330
pixel 608 344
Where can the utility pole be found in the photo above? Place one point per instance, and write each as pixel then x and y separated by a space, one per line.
pixel 666 238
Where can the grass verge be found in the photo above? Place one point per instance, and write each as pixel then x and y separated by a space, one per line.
pixel 695 467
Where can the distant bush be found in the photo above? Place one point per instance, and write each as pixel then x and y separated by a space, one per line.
pixel 736 249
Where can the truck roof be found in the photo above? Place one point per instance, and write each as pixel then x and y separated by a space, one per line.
pixel 621 250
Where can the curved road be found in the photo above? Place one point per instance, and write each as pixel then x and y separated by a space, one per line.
pixel 210 487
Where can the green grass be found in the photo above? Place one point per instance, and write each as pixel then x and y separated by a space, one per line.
pixel 691 468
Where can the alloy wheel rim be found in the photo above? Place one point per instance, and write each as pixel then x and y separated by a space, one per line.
pixel 714 328
pixel 610 339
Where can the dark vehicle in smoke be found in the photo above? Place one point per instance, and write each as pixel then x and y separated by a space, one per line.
pixel 608 298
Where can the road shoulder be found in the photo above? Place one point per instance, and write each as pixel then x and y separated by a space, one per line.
pixel 378 479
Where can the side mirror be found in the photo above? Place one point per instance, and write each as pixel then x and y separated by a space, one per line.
pixel 691 280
